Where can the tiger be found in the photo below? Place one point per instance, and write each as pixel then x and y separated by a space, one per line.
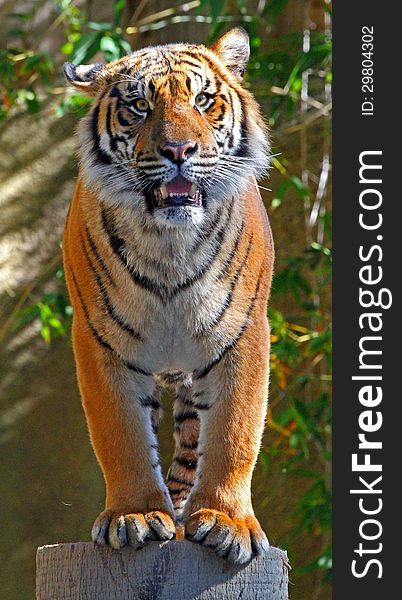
pixel 168 258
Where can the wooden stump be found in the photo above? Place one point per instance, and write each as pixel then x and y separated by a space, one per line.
pixel 168 571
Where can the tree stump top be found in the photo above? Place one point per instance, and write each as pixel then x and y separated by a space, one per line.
pixel 176 570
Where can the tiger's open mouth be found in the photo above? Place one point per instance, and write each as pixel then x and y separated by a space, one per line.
pixel 177 192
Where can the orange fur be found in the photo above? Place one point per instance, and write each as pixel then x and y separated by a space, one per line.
pixel 180 304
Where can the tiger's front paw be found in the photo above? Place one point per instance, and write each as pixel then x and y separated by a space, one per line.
pixel 236 540
pixel 133 529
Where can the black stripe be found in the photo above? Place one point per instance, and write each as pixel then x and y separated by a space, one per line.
pixel 174 85
pixel 199 374
pixel 117 245
pixel 179 480
pixel 113 143
pixel 231 137
pixel 148 159
pixel 93 330
pixel 101 155
pixel 184 416
pixel 219 74
pixel 134 367
pixel 229 297
pixel 221 115
pixel 229 259
pixel 190 60
pixel 160 290
pixel 218 85
pixel 111 311
pixel 189 65
pixel 242 149
pixel 149 402
pixel 202 406
pixel 152 168
pixel 122 120
pixel 191 446
pixel 115 93
pixel 152 88
pixel 204 164
pixel 206 234
pixel 184 462
pixel 220 128
pixel 185 401
pixel 176 491
pixel 99 258
pixel 219 241
pixel 99 338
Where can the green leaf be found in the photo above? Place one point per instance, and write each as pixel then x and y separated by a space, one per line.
pixel 45 332
pixel 110 48
pixel 216 8
pixel 316 56
pixel 100 26
pixel 125 46
pixel 67 48
pixel 118 10
pixel 299 186
pixel 301 414
pixel 86 47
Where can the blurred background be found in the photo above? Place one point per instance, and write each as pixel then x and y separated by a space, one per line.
pixel 51 488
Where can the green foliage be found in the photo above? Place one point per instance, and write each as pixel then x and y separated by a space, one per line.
pixel 26 76
pixel 77 103
pixel 300 413
pixel 53 312
pixel 20 71
pixel 85 39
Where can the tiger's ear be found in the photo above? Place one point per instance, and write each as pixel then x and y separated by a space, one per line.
pixel 83 77
pixel 233 48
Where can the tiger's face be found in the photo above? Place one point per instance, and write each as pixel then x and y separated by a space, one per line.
pixel 172 131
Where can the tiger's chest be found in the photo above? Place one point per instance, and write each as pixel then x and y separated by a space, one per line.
pixel 170 344
pixel 179 334
pixel 176 293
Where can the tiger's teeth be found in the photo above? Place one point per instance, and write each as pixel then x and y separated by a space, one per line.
pixel 193 190
pixel 164 192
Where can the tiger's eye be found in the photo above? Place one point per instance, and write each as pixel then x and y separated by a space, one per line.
pixel 201 100
pixel 141 104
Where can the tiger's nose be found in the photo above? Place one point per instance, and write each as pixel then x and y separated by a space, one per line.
pixel 178 153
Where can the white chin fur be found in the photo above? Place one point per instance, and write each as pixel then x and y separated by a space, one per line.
pixel 179 216
pixel 174 217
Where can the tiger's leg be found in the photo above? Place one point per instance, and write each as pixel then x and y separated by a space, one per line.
pixel 218 512
pixel 182 473
pixel 121 409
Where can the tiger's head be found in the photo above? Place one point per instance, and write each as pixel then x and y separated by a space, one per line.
pixel 172 131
